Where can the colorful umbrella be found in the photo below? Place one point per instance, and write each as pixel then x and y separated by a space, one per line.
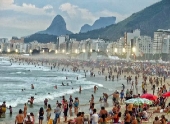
pixel 138 101
pixel 167 94
pixel 149 96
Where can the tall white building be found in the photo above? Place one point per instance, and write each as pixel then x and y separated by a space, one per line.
pixel 61 40
pixel 4 40
pixel 129 41
pixel 143 45
pixel 166 45
pixel 120 45
pixel 161 41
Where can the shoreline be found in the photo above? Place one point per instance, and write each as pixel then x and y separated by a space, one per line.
pixel 101 78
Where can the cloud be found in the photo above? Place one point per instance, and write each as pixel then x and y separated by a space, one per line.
pixel 74 15
pixel 47 7
pixel 26 8
pixel 24 18
pixel 119 17
pixel 28 5
pixel 6 2
pixel 75 11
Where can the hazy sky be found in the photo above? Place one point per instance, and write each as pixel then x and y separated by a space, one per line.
pixel 25 17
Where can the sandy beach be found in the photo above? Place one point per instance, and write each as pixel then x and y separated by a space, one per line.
pixel 109 89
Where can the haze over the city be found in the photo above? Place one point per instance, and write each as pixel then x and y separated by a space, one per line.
pixel 25 17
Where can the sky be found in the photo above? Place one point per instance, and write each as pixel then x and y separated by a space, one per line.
pixel 25 17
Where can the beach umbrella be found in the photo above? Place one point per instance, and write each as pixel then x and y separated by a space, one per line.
pixel 149 96
pixel 138 101
pixel 167 94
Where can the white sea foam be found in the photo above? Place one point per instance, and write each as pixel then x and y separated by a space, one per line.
pixel 44 80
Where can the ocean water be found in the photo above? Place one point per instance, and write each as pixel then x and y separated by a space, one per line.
pixel 15 77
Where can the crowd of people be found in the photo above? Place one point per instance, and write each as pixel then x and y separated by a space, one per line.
pixel 151 76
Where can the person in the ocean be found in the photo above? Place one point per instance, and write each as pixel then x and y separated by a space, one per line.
pixel 32 86
pixel 62 84
pixel 55 86
pixel 80 89
pixel 31 100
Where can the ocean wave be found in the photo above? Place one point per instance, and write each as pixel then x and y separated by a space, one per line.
pixel 44 80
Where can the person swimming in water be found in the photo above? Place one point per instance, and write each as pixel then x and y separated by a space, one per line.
pixel 62 84
pixel 32 86
pixel 55 86
pixel 31 100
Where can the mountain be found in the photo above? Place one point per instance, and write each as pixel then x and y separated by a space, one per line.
pixel 148 20
pixel 102 22
pixel 85 28
pixel 57 27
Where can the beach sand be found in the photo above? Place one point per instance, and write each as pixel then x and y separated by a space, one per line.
pixel 101 79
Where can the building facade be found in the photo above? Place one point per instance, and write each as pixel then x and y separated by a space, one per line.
pixel 161 41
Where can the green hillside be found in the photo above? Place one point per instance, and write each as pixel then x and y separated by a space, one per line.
pixel 148 20
pixel 42 38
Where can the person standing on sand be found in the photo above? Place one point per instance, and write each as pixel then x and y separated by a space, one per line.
pixel 48 110
pixel 19 118
pixel 153 88
pixel 105 96
pixel 70 105
pixel 41 115
pixel 76 105
pixel 95 117
pixel 121 96
pixel 79 119
pixel 65 106
pixel 123 87
pixel 25 110
pixel 132 85
pixel 57 112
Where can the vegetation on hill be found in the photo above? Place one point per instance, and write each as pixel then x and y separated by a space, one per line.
pixel 42 38
pixel 156 16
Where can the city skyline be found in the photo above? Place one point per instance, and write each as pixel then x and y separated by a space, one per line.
pixel 22 18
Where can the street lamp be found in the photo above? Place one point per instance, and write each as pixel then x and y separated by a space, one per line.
pixel 63 50
pixel 91 50
pixel 8 50
pixel 124 50
pixel 16 50
pixel 84 50
pixel 56 51
pixel 133 49
pixel 115 50
pixel 30 51
pixel 76 51
pixel 98 50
